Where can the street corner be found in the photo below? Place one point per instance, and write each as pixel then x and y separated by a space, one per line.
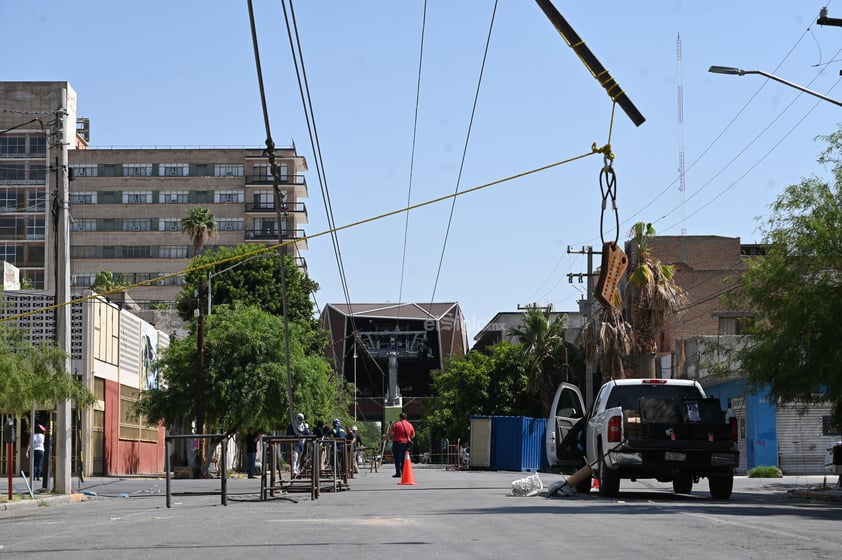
pixel 45 500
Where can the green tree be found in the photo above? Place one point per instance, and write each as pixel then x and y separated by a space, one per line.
pixel 607 340
pixel 245 378
pixel 33 375
pixel 652 296
pixel 200 225
pixel 793 350
pixel 543 351
pixel 481 385
pixel 252 278
pixel 107 281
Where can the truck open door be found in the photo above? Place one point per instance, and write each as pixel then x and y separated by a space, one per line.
pixel 567 410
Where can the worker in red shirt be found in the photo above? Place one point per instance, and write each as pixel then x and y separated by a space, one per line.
pixel 402 433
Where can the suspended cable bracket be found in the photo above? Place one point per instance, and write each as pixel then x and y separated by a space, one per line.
pixel 590 61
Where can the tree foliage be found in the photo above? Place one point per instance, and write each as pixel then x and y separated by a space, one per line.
pixel 200 225
pixel 33 375
pixel 793 349
pixel 245 382
pixel 543 352
pixel 479 385
pixel 252 278
pixel 653 296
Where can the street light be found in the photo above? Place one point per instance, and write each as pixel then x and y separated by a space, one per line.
pixel 235 265
pixel 740 72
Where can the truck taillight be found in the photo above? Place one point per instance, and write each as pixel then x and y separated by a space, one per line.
pixel 615 429
pixel 734 433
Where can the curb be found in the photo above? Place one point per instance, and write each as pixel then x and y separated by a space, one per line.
pixel 43 501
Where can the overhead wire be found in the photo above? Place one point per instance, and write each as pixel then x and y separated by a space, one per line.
pixel 464 153
pixel 306 237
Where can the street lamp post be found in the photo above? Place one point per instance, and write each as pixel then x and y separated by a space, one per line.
pixel 212 274
pixel 731 71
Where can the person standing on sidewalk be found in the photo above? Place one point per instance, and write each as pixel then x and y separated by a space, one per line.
pixel 402 433
pixel 37 448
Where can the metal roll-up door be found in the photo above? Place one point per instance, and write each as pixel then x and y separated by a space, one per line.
pixel 801 443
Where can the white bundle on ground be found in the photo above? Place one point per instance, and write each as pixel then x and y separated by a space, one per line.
pixel 527 486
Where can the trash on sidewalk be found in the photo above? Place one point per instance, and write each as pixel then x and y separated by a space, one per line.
pixel 527 486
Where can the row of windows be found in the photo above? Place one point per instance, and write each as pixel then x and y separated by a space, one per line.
pixel 168 197
pixel 12 200
pixel 22 227
pixel 13 145
pixel 22 255
pixel 148 224
pixel 86 280
pixel 21 172
pixel 174 170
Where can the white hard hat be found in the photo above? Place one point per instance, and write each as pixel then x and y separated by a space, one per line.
pixel 353 428
pixel 300 416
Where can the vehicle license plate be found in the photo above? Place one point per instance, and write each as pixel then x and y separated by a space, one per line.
pixel 673 456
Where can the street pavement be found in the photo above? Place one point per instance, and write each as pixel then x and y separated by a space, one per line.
pixel 446 514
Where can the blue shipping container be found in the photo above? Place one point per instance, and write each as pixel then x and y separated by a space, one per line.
pixel 517 443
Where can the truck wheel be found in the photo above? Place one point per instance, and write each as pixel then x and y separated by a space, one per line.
pixel 682 484
pixel 721 486
pixel 609 480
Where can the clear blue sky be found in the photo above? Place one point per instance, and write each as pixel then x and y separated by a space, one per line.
pixel 182 73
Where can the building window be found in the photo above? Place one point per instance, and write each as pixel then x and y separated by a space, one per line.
pixel 173 170
pixel 38 145
pixel 82 280
pixel 35 228
pixel 137 170
pixel 173 197
pixel 229 224
pixel 36 201
pixel 8 200
pixel 83 198
pixel 169 224
pixel 12 171
pixel 137 197
pixel 136 252
pixel 83 225
pixel 12 145
pixel 228 170
pixel 8 253
pixel 38 172
pixel 82 252
pixel 173 252
pixel 84 170
pixel 227 197
pixel 734 325
pixel 136 225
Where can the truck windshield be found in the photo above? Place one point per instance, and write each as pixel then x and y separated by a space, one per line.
pixel 627 396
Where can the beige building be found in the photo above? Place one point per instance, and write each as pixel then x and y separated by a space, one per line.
pixel 126 204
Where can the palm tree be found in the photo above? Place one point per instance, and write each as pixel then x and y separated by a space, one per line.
pixel 106 282
pixel 543 351
pixel 200 225
pixel 607 340
pixel 653 295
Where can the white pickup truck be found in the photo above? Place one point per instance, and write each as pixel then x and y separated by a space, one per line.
pixel 665 429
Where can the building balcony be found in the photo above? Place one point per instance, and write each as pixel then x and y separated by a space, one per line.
pixel 269 208
pixel 271 234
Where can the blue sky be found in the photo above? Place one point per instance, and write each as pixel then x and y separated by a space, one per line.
pixel 182 73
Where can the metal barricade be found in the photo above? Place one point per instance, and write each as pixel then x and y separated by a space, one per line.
pixel 320 467
pixel 221 466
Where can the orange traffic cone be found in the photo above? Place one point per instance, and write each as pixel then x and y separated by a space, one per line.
pixel 406 473
pixel 595 484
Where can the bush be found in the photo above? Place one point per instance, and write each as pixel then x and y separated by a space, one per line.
pixel 765 472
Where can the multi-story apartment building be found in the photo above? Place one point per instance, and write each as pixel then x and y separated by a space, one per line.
pixel 126 204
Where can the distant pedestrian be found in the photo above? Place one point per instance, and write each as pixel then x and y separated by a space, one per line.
pixel 300 429
pixel 402 433
pixel 37 448
pixel 356 445
pixel 338 433
pixel 252 438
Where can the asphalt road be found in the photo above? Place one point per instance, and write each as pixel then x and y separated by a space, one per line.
pixel 446 514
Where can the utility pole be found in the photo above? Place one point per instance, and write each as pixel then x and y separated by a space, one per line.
pixel 586 250
pixel 61 208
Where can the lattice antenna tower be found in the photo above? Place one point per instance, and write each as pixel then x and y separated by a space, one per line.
pixel 680 131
